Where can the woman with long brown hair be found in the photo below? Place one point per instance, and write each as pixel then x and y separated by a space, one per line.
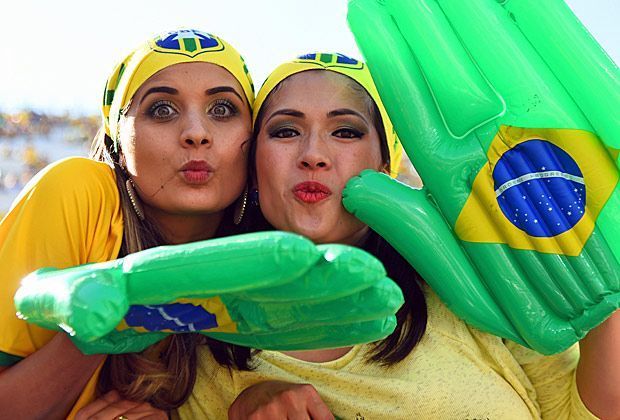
pixel 167 168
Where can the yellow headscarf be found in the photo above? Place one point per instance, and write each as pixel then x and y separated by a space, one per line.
pixel 181 46
pixel 347 66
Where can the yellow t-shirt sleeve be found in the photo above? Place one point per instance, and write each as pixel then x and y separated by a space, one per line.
pixel 553 378
pixel 69 214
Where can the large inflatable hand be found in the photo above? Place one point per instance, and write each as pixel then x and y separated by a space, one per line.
pixel 268 290
pixel 509 112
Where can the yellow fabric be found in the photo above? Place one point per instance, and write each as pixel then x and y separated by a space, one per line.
pixel 455 372
pixel 347 66
pixel 182 46
pixel 69 214
pixel 482 220
pixel 88 393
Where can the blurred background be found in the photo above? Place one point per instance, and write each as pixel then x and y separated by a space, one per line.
pixel 57 55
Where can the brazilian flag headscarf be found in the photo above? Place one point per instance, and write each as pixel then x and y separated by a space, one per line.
pixel 180 46
pixel 350 67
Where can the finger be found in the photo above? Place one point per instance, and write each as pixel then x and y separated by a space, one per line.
pixel 509 61
pixel 113 410
pixel 146 411
pixel 508 283
pixel 600 251
pixel 63 298
pixel 316 337
pixel 435 253
pixel 118 342
pixel 380 300
pixel 341 271
pixel 465 98
pixel 575 58
pixel 98 405
pixel 406 96
pixel 317 409
pixel 597 267
pixel 608 220
pixel 217 266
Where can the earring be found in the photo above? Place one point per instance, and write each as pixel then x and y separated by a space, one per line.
pixel 133 197
pixel 240 209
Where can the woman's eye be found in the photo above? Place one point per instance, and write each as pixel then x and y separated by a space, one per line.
pixel 223 109
pixel 348 133
pixel 284 133
pixel 162 110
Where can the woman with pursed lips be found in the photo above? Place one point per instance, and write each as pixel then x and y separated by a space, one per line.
pixel 167 168
pixel 318 122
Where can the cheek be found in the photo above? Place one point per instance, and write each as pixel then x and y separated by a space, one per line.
pixel 367 158
pixel 271 176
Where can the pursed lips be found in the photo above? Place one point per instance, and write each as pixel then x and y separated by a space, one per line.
pixel 311 192
pixel 196 171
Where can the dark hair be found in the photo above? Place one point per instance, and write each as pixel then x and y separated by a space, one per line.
pixel 164 374
pixel 411 317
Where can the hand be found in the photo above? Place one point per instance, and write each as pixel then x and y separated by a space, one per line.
pixel 113 406
pixel 271 290
pixel 272 400
pixel 518 227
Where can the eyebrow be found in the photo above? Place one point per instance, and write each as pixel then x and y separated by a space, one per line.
pixel 286 111
pixel 345 111
pixel 159 89
pixel 173 91
pixel 220 89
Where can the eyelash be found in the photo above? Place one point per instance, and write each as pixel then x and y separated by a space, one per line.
pixel 278 132
pixel 229 105
pixel 158 105
pixel 352 133
pixel 231 108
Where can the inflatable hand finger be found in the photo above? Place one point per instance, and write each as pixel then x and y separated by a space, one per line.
pixel 485 106
pixel 117 342
pixel 340 335
pixel 224 285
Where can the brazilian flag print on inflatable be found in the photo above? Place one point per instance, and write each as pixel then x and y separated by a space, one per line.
pixel 508 111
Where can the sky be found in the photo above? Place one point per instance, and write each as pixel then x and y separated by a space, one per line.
pixel 56 55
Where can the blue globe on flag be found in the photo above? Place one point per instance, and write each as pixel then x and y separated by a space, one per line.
pixel 187 41
pixel 540 188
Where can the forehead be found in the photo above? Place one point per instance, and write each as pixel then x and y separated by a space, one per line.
pixel 319 89
pixel 204 73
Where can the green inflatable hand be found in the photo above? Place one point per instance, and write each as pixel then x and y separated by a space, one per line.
pixel 497 104
pixel 268 290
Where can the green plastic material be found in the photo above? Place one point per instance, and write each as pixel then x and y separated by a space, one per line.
pixel 280 291
pixel 452 74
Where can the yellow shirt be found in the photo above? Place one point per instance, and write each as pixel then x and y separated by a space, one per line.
pixel 455 372
pixel 69 214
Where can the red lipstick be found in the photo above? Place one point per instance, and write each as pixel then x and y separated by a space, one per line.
pixel 311 192
pixel 196 171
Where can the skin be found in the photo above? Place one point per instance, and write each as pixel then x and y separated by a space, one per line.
pixel 190 112
pixel 314 129
pixel 598 372
pixel 112 405
pixel 186 112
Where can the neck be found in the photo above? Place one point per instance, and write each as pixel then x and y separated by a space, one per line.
pixel 358 238
pixel 318 356
pixel 183 228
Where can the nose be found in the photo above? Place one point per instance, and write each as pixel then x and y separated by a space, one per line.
pixel 314 154
pixel 196 130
